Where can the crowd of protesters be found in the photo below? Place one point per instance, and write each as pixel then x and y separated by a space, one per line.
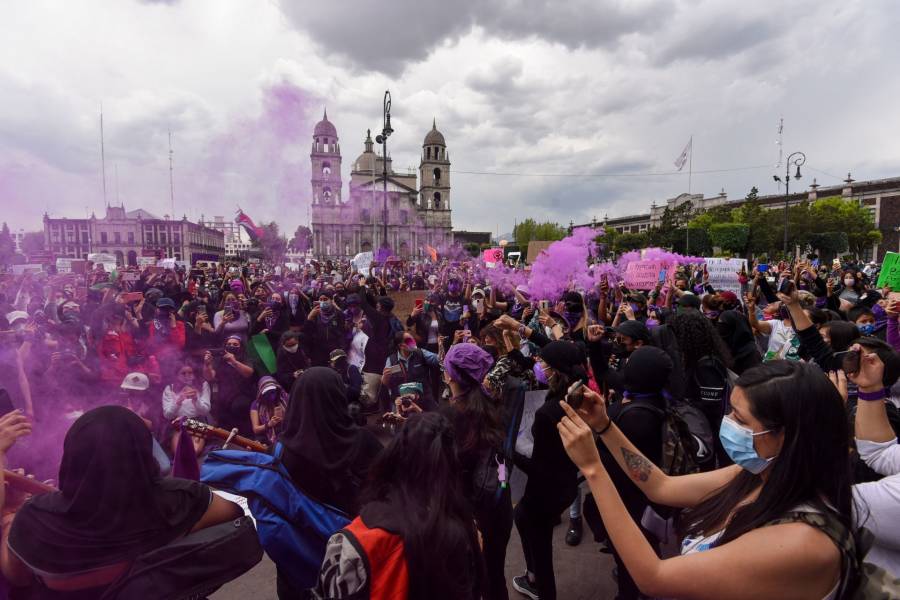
pixel 759 426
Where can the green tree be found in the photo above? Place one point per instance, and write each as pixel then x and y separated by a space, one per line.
pixel 834 213
pixel 302 240
pixel 272 245
pixel 33 242
pixel 530 230
pixel 7 246
pixel 627 242
pixel 730 237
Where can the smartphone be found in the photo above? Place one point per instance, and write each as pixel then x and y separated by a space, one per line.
pixel 394 370
pixel 762 268
pixel 6 405
pixel 662 275
pixel 405 401
pixel 420 303
pixel 575 395
pixel 544 305
pixel 851 361
pixel 201 309
pixel 786 287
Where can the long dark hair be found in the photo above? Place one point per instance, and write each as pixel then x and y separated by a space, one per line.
pixel 813 466
pixel 415 487
pixel 697 337
pixel 477 421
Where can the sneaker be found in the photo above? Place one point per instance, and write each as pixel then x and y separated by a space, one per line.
pixel 573 535
pixel 525 587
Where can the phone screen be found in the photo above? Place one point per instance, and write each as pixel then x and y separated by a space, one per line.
pixel 762 268
pixel 575 395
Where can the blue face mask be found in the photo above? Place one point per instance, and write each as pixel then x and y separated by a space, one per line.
pixel 866 328
pixel 738 444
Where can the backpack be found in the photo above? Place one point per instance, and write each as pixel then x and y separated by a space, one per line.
pixel 193 566
pixel 712 381
pixel 362 562
pixel 859 580
pixel 293 527
pixel 682 451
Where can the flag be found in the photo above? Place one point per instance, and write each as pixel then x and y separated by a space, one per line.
pixel 249 226
pixel 431 252
pixel 682 158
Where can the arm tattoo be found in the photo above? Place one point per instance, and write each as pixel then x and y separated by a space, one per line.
pixel 638 466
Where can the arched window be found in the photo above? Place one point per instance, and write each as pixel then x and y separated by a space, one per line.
pixel 437 200
pixel 326 169
pixel 428 153
pixel 437 176
pixel 326 195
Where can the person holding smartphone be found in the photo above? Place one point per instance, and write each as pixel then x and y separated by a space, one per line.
pixel 187 396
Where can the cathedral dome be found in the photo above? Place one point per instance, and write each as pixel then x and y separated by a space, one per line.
pixel 325 127
pixel 434 137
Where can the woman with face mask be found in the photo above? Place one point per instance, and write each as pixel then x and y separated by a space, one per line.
pixel 770 513
pixel 232 373
pixel 267 411
pixel 187 396
pixel 290 359
pixel 231 319
pixel 552 477
pixel 853 288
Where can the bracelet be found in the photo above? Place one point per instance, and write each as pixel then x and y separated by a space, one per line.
pixel 522 330
pixel 873 396
pixel 605 429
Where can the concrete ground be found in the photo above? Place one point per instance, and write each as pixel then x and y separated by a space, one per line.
pixel 582 572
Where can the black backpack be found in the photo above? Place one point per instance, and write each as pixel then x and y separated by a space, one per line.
pixel 192 567
pixel 687 439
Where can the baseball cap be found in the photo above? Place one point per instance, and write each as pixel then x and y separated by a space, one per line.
pixel 336 355
pixel 165 303
pixel 135 381
pixel 633 329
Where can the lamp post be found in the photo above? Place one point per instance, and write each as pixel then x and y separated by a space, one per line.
pixel 386 132
pixel 796 159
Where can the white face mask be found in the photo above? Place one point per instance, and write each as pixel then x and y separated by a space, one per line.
pixel 477 304
pixel 291 349
pixel 849 282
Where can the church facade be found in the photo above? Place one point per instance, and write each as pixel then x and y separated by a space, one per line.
pixel 418 213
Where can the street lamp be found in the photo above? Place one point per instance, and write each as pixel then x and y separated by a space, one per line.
pixel 796 159
pixel 386 132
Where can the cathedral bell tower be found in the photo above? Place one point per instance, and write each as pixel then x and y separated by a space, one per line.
pixel 434 172
pixel 326 165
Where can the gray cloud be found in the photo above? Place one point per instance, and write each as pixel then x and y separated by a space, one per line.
pixel 388 37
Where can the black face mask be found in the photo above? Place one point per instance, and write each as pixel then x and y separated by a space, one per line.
pixel 492 350
pixel 620 351
pixel 574 307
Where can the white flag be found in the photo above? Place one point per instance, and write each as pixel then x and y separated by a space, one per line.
pixel 682 158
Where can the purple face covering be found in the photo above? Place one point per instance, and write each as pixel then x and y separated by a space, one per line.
pixel 539 374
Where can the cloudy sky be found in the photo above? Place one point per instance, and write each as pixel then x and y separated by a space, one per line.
pixel 575 108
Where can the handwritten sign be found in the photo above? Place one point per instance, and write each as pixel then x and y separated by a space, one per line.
pixel 890 272
pixel 493 257
pixel 723 274
pixel 643 274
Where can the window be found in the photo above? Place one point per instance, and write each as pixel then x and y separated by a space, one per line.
pixel 118 237
pixel 103 237
pixel 437 176
pixel 326 194
pixel 326 170
pixel 130 237
pixel 404 217
pixel 437 200
pixel 84 237
pixel 428 153
pixel 177 237
pixel 365 216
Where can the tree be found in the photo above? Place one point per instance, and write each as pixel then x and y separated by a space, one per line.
pixel 530 230
pixel 271 244
pixel 834 213
pixel 7 246
pixel 33 243
pixel 302 239
pixel 627 242
pixel 730 237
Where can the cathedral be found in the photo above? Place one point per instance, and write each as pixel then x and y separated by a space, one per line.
pixel 418 211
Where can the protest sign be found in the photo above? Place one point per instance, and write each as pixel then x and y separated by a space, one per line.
pixel 723 273
pixel 362 261
pixel 644 274
pixel 890 272
pixel 22 269
pixel 493 257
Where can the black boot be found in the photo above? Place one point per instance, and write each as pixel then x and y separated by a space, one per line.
pixel 573 535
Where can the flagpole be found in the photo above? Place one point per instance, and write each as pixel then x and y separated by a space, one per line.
pixel 687 227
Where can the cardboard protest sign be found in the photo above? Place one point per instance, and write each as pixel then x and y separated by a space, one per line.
pixel 404 302
pixel 723 274
pixel 890 272
pixel 362 261
pixel 644 274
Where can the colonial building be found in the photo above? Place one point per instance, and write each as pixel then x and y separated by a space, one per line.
pixel 127 235
pixel 880 196
pixel 237 242
pixel 418 211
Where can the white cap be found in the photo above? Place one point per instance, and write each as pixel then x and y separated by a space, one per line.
pixel 16 315
pixel 136 381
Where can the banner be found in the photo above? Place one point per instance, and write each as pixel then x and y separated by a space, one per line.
pixel 890 272
pixel 362 261
pixel 493 257
pixel 723 273
pixel 644 274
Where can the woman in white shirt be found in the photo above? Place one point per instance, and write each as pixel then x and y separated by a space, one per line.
pixel 185 397
pixel 787 434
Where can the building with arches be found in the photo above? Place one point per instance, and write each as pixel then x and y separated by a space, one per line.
pixel 418 206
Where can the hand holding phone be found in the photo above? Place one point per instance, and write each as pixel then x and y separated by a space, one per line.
pixel 575 395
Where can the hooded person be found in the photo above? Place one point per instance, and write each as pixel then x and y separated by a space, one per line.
pixel 478 424
pixel 268 409
pixel 112 506
pixel 640 416
pixel 324 330
pixel 231 376
pixel 552 478
pixel 290 359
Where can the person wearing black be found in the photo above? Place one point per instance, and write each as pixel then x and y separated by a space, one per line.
pixel 111 507
pixel 324 331
pixel 380 332
pixel 352 378
pixel 734 327
pixel 479 433
pixel 552 477
pixel 640 414
pixel 232 378
pixel 290 360
pixel 326 454
pixel 410 364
